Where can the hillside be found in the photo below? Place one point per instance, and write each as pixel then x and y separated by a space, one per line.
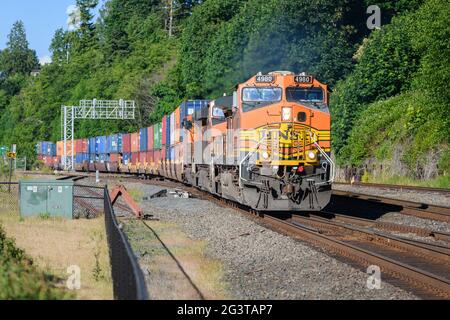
pixel 389 101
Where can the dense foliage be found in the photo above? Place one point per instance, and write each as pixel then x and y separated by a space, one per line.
pixel 394 106
pixel 389 85
pixel 19 279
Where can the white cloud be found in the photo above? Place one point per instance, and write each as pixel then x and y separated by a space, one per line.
pixel 45 60
pixel 74 19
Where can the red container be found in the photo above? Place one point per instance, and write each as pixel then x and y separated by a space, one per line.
pixel 150 138
pixel 126 143
pixel 157 156
pixel 164 125
pixel 150 158
pixel 81 146
pixel 134 158
pixel 48 161
pixel 135 145
pixel 142 157
pixel 114 157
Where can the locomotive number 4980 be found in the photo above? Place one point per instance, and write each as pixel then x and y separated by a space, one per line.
pixel 303 79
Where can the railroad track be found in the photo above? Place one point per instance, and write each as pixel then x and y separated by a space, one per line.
pixel 411 208
pixel 397 187
pixel 421 266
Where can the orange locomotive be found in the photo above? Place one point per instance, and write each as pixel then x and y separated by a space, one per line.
pixel 267 146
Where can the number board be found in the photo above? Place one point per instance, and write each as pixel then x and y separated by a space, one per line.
pixel 265 79
pixel 304 79
pixel 11 155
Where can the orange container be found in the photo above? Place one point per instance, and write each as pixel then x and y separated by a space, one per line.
pixel 60 148
pixel 135 144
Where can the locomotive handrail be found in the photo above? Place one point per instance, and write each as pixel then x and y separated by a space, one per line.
pixel 244 159
pixel 326 156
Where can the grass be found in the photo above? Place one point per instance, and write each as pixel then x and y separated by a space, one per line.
pixel 438 182
pixel 136 194
pixel 167 280
pixel 55 244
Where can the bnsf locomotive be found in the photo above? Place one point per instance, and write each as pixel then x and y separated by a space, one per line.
pixel 267 146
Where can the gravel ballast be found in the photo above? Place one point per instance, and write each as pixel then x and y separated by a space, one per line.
pixel 260 263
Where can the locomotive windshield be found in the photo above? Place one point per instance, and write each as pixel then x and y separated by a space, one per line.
pixel 258 97
pixel 294 94
pixel 261 94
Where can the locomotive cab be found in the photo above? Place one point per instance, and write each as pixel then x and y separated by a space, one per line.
pixel 284 142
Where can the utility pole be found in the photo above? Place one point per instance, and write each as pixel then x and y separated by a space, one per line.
pixel 171 19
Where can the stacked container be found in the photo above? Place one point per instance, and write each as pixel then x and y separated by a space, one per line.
pixel 81 151
pixel 126 149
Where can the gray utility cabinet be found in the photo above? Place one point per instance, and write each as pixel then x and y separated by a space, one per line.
pixel 51 197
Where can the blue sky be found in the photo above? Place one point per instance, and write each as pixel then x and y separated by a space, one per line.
pixel 41 19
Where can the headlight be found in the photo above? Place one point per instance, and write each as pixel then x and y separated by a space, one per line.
pixel 312 155
pixel 265 155
pixel 286 114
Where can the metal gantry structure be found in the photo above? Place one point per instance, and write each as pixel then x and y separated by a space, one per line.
pixel 90 109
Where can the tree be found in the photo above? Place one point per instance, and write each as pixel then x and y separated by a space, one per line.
pixel 17 58
pixel 86 30
pixel 59 46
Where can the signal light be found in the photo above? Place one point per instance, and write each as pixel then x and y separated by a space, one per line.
pixel 301 169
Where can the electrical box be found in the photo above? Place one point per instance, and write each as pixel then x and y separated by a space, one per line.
pixel 46 197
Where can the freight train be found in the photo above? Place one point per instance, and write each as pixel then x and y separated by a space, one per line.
pixel 267 146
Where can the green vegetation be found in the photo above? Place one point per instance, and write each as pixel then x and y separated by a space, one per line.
pixel 394 107
pixel 19 279
pixel 389 86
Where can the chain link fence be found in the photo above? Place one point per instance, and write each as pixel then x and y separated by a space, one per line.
pixel 9 198
pixel 88 201
pixel 128 279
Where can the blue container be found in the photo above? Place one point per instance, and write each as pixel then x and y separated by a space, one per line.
pixel 172 153
pixel 81 157
pixel 103 157
pixel 188 108
pixel 100 145
pixel 167 132
pixel 92 146
pixel 126 158
pixel 114 143
pixel 168 154
pixel 143 138
pixel 46 148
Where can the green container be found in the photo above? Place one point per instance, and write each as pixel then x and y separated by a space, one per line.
pixel 52 198
pixel 157 136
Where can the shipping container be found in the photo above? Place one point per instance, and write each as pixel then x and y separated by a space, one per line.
pixel 142 157
pixel 150 137
pixel 100 145
pixel 168 154
pixel 172 129
pixel 164 131
pixel 103 157
pixel 143 140
pixel 91 146
pixel 177 126
pixel 126 158
pixel 114 157
pixel 167 131
pixel 188 108
pixel 80 146
pixel 134 158
pixel 150 157
pixel 157 136
pixel 81 157
pixel 44 148
pixel 135 142
pixel 114 143
pixel 126 143
pixel 60 148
